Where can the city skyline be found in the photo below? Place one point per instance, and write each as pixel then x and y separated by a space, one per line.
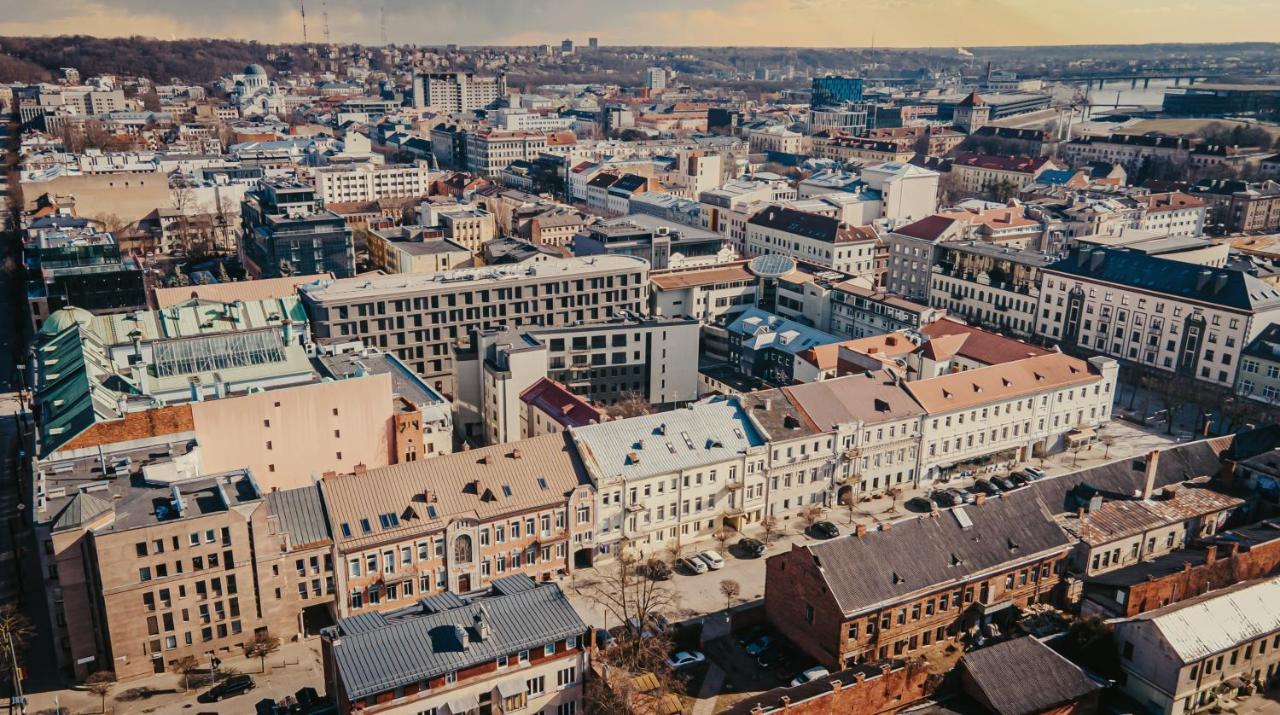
pixel 821 23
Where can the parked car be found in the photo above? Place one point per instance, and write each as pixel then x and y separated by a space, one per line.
pixel 1034 472
pixel 656 569
pixel 1018 479
pixel 760 645
pixel 824 530
pixel 983 486
pixel 234 685
pixel 963 496
pixel 751 633
pixel 774 658
pixel 692 565
pixel 751 547
pixel 919 504
pixel 685 659
pixel 1005 484
pixel 813 673
pixel 714 561
pixel 943 498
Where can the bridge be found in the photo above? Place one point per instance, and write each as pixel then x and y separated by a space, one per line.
pixel 1134 78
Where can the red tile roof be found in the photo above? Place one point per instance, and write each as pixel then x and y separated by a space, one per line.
pixel 561 405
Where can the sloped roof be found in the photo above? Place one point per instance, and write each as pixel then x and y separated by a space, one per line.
pixel 918 554
pixel 929 228
pixel 69 391
pixel 80 510
pixel 1190 281
pixel 960 390
pixel 301 514
pixel 871 397
pixel 385 651
pixel 1024 676
pixel 977 344
pixel 1218 620
pixel 562 405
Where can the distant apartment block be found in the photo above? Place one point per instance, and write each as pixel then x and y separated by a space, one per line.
pixel 455 92
pixel 370 182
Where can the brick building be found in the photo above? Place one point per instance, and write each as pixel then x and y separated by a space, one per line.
pixel 915 584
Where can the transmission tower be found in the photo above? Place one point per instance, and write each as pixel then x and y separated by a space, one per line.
pixel 382 11
pixel 324 9
pixel 302 6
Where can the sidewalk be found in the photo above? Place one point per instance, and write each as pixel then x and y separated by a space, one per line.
pixel 294 666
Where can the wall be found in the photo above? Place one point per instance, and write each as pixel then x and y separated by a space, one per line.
pixel 1262 560
pixel 131 196
pixel 286 436
pixel 856 694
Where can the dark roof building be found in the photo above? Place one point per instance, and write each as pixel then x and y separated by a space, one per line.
pixel 1024 677
pixel 435 653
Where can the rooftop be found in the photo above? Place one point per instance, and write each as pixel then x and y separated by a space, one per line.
pixel 977 344
pixel 994 383
pixel 379 652
pixel 561 405
pixel 1218 620
pixel 760 329
pixel 1024 676
pixel 869 396
pixel 246 291
pixel 724 273
pixel 1120 518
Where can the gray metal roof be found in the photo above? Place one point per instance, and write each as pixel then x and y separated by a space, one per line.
pixel 667 442
pixel 918 554
pixel 1218 620
pixel 301 513
pixel 1024 676
pixel 411 648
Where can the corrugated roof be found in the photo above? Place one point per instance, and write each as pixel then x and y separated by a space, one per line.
pixel 649 445
pixel 1024 676
pixel 409 648
pixel 301 514
pixel 1218 620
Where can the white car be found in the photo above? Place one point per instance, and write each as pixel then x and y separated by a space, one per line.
pixel 685 659
pixel 813 673
pixel 714 561
pixel 693 564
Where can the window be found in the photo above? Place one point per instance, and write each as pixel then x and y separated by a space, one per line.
pixel 535 686
pixel 566 677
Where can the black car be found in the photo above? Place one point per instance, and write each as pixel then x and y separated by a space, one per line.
pixel 1005 484
pixel 751 547
pixel 235 685
pixel 824 530
pixel 944 498
pixel 1019 479
pixel 750 633
pixel 982 486
pixel 773 658
pixel 919 504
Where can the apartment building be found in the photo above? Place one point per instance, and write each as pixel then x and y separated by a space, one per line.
pixel 764 345
pixel 878 596
pixel 1259 376
pixel 663 244
pixel 286 232
pixel 876 424
pixel 1135 152
pixel 143 570
pixel 371 182
pixel 489 151
pixel 777 140
pixel 1010 412
pixel 914 250
pixel 653 359
pixel 457 92
pixel 1185 657
pixel 550 408
pixel 1164 315
pixel 419 317
pixel 415 249
pixel 1173 213
pixel 983 173
pixel 458 522
pixel 858 312
pixel 816 239
pixel 519 646
pixel 734 196
pixel 989 285
pixel 710 294
pixel 1240 206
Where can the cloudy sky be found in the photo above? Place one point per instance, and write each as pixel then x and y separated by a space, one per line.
pixel 838 23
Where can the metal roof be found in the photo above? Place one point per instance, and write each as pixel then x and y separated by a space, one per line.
pixel 301 514
pixel 409 647
pixel 649 445
pixel 1218 620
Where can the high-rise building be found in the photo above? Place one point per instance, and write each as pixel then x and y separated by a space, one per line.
pixel 833 90
pixel 457 91
pixel 593 43
pixel 655 78
pixel 566 46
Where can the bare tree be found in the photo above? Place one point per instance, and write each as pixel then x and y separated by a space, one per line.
pixel 14 629
pixel 627 594
pixel 111 223
pixel 811 514
pixel 185 666
pixel 260 646
pixel 631 404
pixel 771 526
pixel 722 536
pixel 1107 440
pixel 100 683
pixel 730 589
pixel 894 493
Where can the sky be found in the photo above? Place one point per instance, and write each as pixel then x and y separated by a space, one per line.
pixel 796 23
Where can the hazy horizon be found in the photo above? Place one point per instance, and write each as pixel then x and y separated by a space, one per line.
pixel 888 24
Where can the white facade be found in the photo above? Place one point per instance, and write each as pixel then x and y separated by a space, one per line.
pixel 367 182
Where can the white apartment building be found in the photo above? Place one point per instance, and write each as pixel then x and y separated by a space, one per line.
pixel 907 192
pixel 777 139
pixel 368 182
pixel 1161 314
pixel 821 240
pixel 710 294
pixel 491 151
pixel 738 194
pixel 1173 214
pixel 453 92
pixel 522 120
pixel 1012 411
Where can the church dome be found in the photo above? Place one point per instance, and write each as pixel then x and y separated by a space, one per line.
pixel 255 69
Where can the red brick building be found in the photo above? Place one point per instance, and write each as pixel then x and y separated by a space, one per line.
pixel 917 583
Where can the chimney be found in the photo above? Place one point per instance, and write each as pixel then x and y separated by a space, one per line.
pixel 482 625
pixel 1210 554
pixel 860 530
pixel 1153 463
pixel 980 499
pixel 1080 513
pixel 1202 279
pixel 1235 549
pixel 360 469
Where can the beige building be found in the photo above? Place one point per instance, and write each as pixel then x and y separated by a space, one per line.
pixel 414 249
pixel 371 182
pixel 983 173
pixel 490 151
pixel 1193 655
pixel 458 522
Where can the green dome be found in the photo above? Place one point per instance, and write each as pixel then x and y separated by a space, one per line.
pixel 64 318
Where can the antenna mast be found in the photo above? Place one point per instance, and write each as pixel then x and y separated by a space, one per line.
pixel 302 6
pixel 383 13
pixel 324 8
